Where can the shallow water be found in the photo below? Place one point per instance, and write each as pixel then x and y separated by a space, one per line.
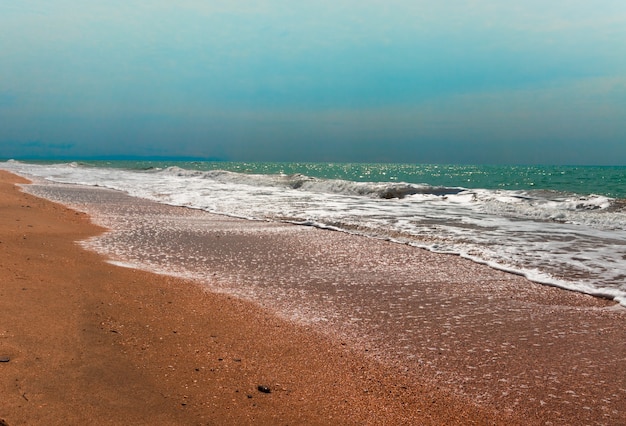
pixel 565 239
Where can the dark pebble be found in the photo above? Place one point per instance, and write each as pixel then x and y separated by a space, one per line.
pixel 264 389
pixel 4 359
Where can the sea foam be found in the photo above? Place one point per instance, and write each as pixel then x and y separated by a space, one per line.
pixel 562 239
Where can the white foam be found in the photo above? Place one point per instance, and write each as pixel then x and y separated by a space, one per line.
pixel 577 243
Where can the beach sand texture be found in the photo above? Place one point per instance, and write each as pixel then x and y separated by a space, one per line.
pixel 87 342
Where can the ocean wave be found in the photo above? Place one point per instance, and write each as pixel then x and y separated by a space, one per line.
pixel 566 237
pixel 383 190
pixel 538 205
pixel 597 211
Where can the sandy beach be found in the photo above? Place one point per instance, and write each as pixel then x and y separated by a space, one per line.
pixel 85 342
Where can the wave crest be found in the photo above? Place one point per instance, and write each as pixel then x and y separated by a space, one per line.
pixel 384 190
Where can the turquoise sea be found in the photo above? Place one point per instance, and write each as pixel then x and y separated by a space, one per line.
pixel 585 180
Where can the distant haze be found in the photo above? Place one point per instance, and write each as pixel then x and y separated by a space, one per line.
pixel 344 80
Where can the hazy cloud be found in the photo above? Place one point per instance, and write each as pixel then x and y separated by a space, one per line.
pixel 274 78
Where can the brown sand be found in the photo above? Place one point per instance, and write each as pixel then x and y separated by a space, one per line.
pixel 92 343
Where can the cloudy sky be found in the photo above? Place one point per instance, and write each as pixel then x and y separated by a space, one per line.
pixel 483 81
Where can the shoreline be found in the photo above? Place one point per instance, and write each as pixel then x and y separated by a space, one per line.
pixel 87 343
pixel 313 379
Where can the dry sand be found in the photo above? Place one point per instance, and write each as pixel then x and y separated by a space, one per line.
pixel 86 342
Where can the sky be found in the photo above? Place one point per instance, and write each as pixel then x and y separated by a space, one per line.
pixel 482 81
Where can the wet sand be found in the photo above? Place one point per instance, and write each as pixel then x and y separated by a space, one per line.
pixel 89 342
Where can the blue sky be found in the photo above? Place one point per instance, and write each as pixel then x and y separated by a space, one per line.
pixel 344 80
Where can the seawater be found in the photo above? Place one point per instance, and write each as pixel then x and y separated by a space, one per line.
pixel 561 226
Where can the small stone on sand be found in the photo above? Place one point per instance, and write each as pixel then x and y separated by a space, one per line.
pixel 264 389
